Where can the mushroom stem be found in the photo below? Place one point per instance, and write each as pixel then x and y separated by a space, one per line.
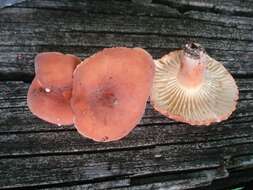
pixel 192 67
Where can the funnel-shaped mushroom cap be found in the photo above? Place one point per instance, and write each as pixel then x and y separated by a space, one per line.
pixel 192 87
pixel 110 91
pixel 55 70
pixel 52 106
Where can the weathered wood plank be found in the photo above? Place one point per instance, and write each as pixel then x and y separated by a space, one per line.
pixel 67 142
pixel 17 60
pixel 160 8
pixel 103 7
pixel 153 10
pixel 64 168
pixel 237 178
pixel 7 3
pixel 203 180
pixel 220 50
pixel 116 183
pixel 223 20
pixel 214 178
pixel 63 21
pixel 75 39
pixel 178 181
pixel 163 181
pixel 182 182
pixel 234 7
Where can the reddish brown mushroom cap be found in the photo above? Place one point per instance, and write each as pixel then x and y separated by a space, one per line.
pixel 52 106
pixel 55 70
pixel 110 90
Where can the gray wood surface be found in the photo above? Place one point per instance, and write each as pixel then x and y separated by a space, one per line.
pixel 159 153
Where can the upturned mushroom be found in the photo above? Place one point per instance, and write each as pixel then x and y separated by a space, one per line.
pixel 191 87
pixel 49 94
pixel 110 90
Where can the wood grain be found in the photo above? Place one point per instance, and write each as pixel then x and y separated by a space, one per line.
pixel 84 27
pixel 159 153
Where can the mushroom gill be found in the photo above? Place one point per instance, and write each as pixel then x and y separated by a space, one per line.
pixel 191 87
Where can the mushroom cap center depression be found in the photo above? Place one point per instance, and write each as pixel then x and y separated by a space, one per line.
pixel 108 99
pixel 105 100
pixel 104 97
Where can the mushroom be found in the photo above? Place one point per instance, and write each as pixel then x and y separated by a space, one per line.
pixel 50 92
pixel 110 90
pixel 52 106
pixel 191 87
pixel 55 70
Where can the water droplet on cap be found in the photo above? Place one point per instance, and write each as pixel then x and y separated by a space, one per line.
pixel 47 90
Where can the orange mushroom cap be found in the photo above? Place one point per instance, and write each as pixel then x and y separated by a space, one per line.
pixel 55 70
pixel 110 90
pixel 52 106
pixel 50 92
pixel 192 87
